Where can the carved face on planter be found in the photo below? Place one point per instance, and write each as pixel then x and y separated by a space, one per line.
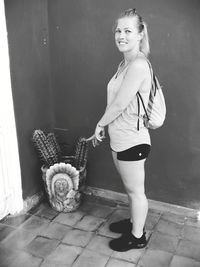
pixel 62 185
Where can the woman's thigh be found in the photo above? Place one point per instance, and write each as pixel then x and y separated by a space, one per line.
pixel 114 155
pixel 132 174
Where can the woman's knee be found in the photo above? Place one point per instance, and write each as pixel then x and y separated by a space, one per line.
pixel 136 194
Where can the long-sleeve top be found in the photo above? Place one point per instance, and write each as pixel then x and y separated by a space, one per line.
pixel 123 120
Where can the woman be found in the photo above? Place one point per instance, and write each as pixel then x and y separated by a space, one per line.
pixel 129 138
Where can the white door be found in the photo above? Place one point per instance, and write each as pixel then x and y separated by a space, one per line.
pixel 11 201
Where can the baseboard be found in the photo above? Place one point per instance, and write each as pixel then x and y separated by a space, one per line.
pixel 120 198
pixel 153 204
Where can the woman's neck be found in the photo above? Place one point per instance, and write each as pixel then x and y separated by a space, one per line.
pixel 129 57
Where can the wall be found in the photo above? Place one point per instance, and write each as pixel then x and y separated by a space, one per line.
pixel 27 24
pixel 83 58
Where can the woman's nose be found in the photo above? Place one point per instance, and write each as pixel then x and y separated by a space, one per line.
pixel 122 35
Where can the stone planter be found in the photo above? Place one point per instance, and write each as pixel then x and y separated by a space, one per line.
pixel 64 185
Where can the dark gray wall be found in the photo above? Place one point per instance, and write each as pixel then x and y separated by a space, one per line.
pixel 27 26
pixel 83 58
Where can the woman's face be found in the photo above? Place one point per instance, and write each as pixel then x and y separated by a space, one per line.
pixel 127 37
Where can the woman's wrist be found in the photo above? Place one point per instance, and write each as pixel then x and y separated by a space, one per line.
pixel 99 125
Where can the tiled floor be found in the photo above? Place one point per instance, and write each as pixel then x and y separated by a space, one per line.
pixel 46 238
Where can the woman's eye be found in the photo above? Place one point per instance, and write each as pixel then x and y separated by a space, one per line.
pixel 117 31
pixel 127 31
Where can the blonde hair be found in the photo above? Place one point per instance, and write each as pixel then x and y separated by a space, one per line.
pixel 142 28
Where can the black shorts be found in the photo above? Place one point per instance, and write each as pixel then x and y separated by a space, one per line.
pixel 134 153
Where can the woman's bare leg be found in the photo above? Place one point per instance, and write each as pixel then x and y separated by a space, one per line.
pixel 114 155
pixel 133 176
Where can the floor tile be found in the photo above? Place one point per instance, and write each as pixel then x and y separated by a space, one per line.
pixel 100 244
pixel 25 259
pixel 45 211
pixel 164 242
pixel 179 261
pixel 97 210
pixel 69 218
pixel 118 215
pixel 148 236
pixel 18 239
pixel 132 255
pixel 89 223
pixel 175 218
pixel 191 233
pixel 35 224
pixel 119 263
pixel 7 255
pixel 5 230
pixel 154 212
pixel 15 220
pixel 152 220
pixel 91 259
pixel 54 264
pixel 103 201
pixel 104 230
pixel 86 206
pixel 41 247
pixel 56 230
pixel 189 249
pixel 63 254
pixel 77 237
pixel 155 258
pixel 108 202
pixel 36 208
pixel 169 228
pixel 192 222
pixel 166 207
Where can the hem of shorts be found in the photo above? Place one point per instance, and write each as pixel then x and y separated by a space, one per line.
pixel 141 143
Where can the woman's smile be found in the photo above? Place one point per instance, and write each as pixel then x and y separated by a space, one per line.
pixel 122 44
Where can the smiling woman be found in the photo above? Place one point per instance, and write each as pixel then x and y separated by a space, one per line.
pixel 129 138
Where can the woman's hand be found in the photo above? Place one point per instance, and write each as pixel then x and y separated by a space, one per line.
pixel 98 136
pixel 99 133
pixel 94 140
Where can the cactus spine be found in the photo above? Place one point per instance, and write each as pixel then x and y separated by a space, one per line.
pixel 81 152
pixel 52 139
pixel 47 149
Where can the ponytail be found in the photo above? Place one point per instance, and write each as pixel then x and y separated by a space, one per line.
pixel 144 44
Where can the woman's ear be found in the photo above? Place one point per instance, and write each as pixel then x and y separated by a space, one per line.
pixel 140 35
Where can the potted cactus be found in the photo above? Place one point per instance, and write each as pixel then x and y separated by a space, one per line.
pixel 63 176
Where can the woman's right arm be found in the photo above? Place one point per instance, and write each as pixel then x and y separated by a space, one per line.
pixel 132 82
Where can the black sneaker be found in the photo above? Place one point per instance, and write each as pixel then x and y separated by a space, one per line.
pixel 128 241
pixel 121 226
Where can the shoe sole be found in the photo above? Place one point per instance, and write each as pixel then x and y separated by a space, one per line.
pixel 141 246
